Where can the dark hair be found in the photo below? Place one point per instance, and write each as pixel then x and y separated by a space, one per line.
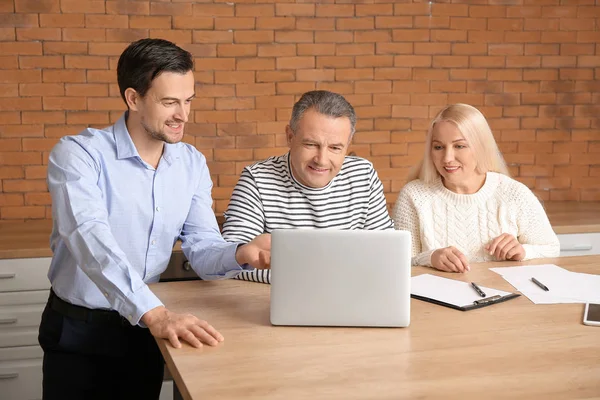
pixel 143 60
pixel 326 103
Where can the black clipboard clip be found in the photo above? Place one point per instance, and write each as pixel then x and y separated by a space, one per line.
pixel 487 300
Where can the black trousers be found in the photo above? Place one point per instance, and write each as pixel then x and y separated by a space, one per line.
pixel 96 354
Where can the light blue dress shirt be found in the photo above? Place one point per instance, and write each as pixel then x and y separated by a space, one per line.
pixel 116 219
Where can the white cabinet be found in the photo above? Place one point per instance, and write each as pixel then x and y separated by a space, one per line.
pixel 579 244
pixel 24 289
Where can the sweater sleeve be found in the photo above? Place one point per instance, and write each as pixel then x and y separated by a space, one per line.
pixel 535 232
pixel 406 218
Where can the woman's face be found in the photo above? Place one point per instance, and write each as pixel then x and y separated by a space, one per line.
pixel 454 159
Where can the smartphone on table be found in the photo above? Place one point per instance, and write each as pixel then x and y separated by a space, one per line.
pixel 591 314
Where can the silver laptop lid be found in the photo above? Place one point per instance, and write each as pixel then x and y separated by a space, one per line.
pixel 326 277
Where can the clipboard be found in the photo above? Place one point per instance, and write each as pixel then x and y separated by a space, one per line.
pixel 455 294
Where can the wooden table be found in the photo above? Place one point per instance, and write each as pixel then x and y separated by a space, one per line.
pixel 510 350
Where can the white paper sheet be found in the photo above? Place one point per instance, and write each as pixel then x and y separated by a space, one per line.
pixel 564 286
pixel 449 290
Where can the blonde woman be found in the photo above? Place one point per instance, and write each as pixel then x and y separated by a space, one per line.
pixel 460 204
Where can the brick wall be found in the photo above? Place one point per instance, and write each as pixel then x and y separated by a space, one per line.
pixel 532 67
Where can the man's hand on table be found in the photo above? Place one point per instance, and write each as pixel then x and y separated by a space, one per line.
pixel 169 325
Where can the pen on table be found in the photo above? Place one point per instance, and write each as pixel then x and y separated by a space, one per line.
pixel 478 289
pixel 540 284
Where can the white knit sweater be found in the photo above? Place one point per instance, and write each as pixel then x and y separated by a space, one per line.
pixel 437 218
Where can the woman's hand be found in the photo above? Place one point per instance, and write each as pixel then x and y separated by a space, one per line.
pixel 506 247
pixel 449 259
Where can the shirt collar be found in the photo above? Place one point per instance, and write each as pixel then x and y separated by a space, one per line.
pixel 126 148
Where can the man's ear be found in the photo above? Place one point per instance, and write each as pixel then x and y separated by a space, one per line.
pixel 132 98
pixel 289 133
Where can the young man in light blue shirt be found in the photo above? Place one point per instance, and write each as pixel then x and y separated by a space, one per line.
pixel 121 197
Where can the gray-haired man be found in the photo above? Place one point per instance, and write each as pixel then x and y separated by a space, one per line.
pixel 314 185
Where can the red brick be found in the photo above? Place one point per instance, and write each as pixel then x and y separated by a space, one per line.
pixel 106 21
pixel 260 141
pixel 486 36
pixel 23 212
pixel 9 118
pixel 393 73
pixel 37 199
pixel 394 48
pixel 36 6
pixel 86 62
pixel 431 22
pixel 303 10
pixel 374 9
pixel 10 144
pixel 222 77
pixel 7 48
pixel 276 23
pixel 126 7
pixel 275 76
pixel 334 37
pixel 576 74
pixel 20 20
pixel 43 117
pixel 450 61
pixel 214 116
pixel 64 48
pixel 216 64
pixel 372 36
pixel 275 50
pixel 255 63
pixel 99 76
pixel 294 87
pixel 7 34
pixel 410 35
pixel 254 10
pixel 360 23
pixel 344 88
pixel 351 74
pixel 64 75
pixel 235 103
pixel 39 144
pixel 104 103
pixel 58 131
pixel 335 62
pixel 175 36
pixel 236 129
pixel 213 10
pixel 335 10
pixel 170 9
pixel 315 24
pixel 412 61
pixel 83 35
pixel 87 117
pixel 559 37
pixel 448 87
pixel 254 36
pixel 16 76
pixel 64 103
pixel 83 6
pixel 373 87
pixel 234 23
pixel 125 35
pixel 374 61
pixel 62 21
pixel 12 199
pixel 20 158
pixel 21 130
pixel 372 137
pixel 20 103
pixel 315 75
pixel 276 127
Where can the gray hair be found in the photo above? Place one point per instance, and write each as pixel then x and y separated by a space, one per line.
pixel 326 103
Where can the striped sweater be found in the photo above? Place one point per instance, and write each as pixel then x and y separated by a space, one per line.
pixel 268 197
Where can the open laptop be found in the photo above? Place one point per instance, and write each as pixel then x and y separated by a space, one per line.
pixel 327 277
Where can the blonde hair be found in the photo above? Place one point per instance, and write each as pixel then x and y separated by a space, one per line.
pixel 476 131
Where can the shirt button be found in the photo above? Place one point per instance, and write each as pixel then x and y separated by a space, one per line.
pixel 153 242
pixel 157 209
pixel 106 294
pixel 130 317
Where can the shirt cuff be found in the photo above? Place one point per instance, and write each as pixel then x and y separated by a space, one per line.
pixel 137 304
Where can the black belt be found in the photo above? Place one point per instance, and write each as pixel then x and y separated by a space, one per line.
pixel 80 313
